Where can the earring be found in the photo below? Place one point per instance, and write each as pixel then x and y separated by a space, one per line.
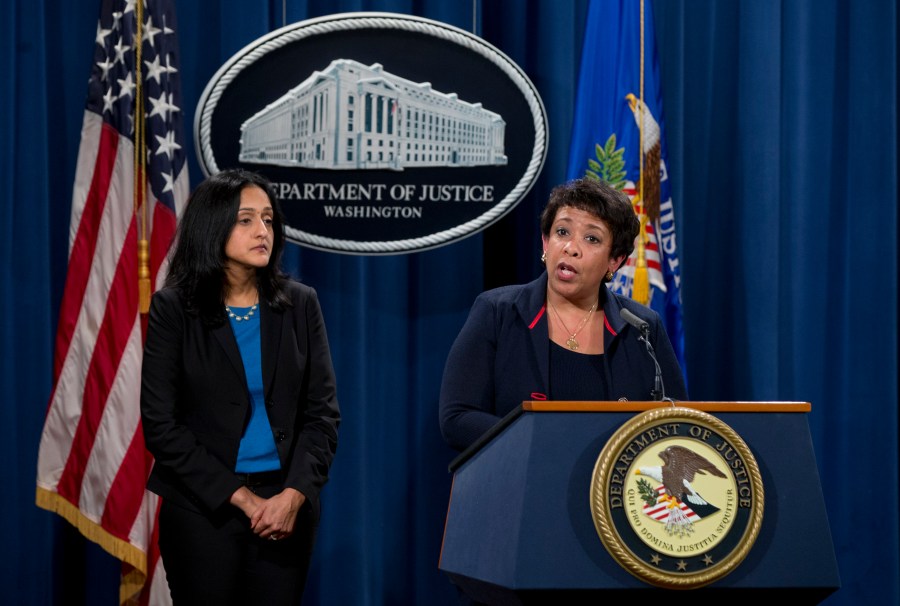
pixel 544 257
pixel 609 276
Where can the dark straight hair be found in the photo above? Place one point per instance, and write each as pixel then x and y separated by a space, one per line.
pixel 197 262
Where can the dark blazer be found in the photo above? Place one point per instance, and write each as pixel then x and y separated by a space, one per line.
pixel 195 402
pixel 502 358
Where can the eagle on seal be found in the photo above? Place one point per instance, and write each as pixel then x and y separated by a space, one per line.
pixel 680 466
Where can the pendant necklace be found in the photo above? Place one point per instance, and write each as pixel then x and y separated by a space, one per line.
pixel 571 343
pixel 239 318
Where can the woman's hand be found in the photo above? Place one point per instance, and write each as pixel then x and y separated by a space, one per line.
pixel 245 500
pixel 274 518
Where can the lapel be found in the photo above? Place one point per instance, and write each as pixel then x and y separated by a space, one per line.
pixel 531 306
pixel 270 323
pixel 612 319
pixel 270 329
pixel 225 336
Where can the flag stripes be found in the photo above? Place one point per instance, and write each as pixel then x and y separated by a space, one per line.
pixel 84 241
pixel 661 511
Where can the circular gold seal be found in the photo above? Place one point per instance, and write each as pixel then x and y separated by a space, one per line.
pixel 677 498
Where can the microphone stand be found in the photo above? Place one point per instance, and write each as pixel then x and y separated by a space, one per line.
pixel 658 393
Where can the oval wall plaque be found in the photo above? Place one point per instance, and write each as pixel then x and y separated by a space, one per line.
pixel 383 133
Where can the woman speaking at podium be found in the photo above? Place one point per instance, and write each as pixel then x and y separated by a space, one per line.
pixel 238 403
pixel 562 336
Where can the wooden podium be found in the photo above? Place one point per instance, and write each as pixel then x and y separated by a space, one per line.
pixel 519 527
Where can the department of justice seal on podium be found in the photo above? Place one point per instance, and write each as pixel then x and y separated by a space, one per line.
pixel 677 498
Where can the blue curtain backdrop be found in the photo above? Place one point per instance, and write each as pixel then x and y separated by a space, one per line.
pixel 782 129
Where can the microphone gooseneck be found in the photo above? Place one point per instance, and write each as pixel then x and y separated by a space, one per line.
pixel 658 393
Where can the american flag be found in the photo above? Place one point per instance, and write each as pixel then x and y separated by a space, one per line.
pixel 92 464
pixel 660 511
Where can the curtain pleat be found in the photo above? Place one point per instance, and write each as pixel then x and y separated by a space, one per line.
pixel 782 130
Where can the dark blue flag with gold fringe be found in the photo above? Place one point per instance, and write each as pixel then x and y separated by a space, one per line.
pixel 618 90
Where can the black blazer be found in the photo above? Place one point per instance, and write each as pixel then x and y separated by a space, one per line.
pixel 195 402
pixel 501 358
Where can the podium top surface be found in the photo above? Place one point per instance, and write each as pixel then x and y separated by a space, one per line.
pixel 625 406
pixel 572 406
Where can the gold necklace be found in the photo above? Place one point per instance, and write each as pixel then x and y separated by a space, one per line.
pixel 571 342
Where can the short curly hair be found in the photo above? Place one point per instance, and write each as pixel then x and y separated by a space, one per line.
pixel 601 200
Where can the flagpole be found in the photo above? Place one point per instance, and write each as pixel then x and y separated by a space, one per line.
pixel 140 166
pixel 640 285
pixel 641 115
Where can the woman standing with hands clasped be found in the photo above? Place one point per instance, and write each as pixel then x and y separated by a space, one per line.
pixel 561 337
pixel 238 403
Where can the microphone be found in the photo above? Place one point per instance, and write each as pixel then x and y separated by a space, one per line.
pixel 642 325
pixel 658 393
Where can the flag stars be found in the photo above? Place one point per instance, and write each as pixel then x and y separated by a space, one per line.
pixel 151 32
pixel 117 20
pixel 170 69
pixel 120 49
pixel 167 144
pixel 154 69
pixel 113 87
pixel 101 34
pixel 105 66
pixel 170 182
pixel 108 99
pixel 126 86
pixel 162 106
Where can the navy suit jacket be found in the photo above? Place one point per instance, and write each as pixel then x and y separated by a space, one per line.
pixel 195 402
pixel 502 358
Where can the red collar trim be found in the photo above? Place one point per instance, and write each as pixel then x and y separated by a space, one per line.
pixel 537 317
pixel 608 327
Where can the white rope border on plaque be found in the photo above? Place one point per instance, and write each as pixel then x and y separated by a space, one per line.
pixel 351 21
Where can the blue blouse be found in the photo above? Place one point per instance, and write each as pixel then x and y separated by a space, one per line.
pixel 257 450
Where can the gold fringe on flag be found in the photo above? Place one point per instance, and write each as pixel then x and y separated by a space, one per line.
pixel 94 532
pixel 640 283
